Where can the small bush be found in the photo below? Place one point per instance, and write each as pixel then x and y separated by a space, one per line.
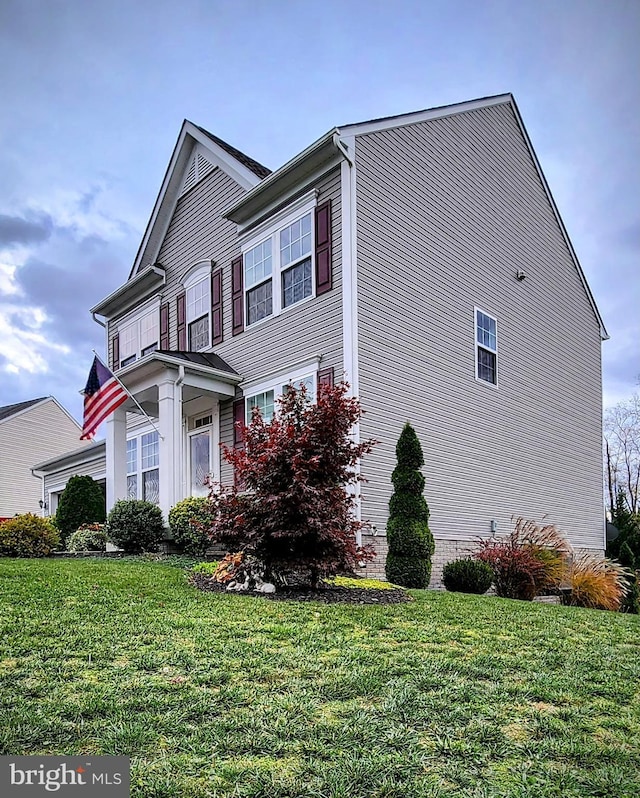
pixel 89 537
pixel 27 536
pixel 135 526
pixel 597 583
pixel 187 522
pixel 531 560
pixel 81 502
pixel 467 576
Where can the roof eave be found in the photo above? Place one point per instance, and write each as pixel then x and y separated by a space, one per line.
pixel 167 360
pixel 131 292
pixel 280 181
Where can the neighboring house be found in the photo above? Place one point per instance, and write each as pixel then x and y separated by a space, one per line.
pixel 31 431
pixel 55 472
pixel 420 257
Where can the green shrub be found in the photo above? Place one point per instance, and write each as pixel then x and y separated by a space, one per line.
pixel 135 526
pixel 81 502
pixel 89 537
pixel 187 522
pixel 206 568
pixel 467 576
pixel 410 540
pixel 27 536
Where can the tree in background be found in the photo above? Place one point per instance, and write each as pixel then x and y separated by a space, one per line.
pixel 410 541
pixel 82 502
pixel 622 452
pixel 294 512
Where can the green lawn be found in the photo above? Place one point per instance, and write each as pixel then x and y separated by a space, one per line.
pixel 215 695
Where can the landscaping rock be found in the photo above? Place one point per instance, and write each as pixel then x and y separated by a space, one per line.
pixel 330 594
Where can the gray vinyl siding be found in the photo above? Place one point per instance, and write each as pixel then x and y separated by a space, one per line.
pixel 447 212
pixel 93 468
pixel 42 432
pixel 198 231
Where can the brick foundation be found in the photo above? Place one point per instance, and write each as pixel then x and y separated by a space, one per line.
pixel 446 551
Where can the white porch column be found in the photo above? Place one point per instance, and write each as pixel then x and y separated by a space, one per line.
pixel 116 455
pixel 168 448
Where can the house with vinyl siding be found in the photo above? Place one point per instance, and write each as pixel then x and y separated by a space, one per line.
pixel 30 431
pixel 422 259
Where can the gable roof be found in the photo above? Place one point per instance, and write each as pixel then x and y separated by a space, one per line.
pixel 340 137
pixel 240 167
pixel 256 168
pixel 11 410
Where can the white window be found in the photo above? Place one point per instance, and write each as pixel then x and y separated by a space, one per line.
pixel 486 347
pixel 279 263
pixel 143 475
pixel 139 336
pixel 198 308
pixel 264 396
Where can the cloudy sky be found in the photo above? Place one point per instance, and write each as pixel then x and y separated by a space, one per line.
pixel 92 96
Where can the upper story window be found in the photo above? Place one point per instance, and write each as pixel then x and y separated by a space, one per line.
pixel 139 335
pixel 486 347
pixel 198 308
pixel 279 264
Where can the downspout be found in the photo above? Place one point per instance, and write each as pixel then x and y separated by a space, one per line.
pixel 344 150
pixel 45 506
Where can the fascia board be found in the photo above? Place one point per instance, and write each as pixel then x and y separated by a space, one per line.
pixel 268 190
pixel 189 134
pixel 413 118
pixel 30 408
pixel 111 304
pixel 603 330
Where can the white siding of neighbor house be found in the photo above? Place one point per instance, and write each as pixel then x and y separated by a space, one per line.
pixel 37 434
pixel 447 212
pixel 198 231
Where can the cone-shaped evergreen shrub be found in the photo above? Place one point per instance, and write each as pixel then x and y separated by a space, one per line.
pixel 408 535
pixel 82 502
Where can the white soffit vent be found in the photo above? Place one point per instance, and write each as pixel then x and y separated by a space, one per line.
pixel 199 167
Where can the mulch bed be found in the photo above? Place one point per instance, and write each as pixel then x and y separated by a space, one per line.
pixel 326 595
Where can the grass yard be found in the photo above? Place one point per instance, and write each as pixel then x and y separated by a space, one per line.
pixel 216 695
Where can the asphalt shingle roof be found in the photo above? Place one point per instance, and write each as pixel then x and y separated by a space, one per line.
pixel 257 168
pixel 11 410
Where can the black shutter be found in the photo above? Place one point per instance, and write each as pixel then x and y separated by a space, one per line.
pixel 115 354
pixel 237 296
pixel 181 300
pixel 325 377
pixel 164 326
pixel 324 279
pixel 238 423
pixel 216 307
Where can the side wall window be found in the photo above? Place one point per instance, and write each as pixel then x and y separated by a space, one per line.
pixel 486 347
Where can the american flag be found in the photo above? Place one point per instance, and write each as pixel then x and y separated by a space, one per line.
pixel 102 395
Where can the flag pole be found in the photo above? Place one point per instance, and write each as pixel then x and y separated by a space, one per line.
pixel 128 392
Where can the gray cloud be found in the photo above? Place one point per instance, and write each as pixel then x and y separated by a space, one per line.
pixel 18 230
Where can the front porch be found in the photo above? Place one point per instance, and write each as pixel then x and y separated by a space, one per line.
pixel 167 459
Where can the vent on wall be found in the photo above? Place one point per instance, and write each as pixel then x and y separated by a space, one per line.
pixel 199 167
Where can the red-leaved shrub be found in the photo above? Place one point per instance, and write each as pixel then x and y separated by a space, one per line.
pixel 294 512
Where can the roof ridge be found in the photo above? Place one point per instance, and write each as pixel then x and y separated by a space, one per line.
pixel 256 167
